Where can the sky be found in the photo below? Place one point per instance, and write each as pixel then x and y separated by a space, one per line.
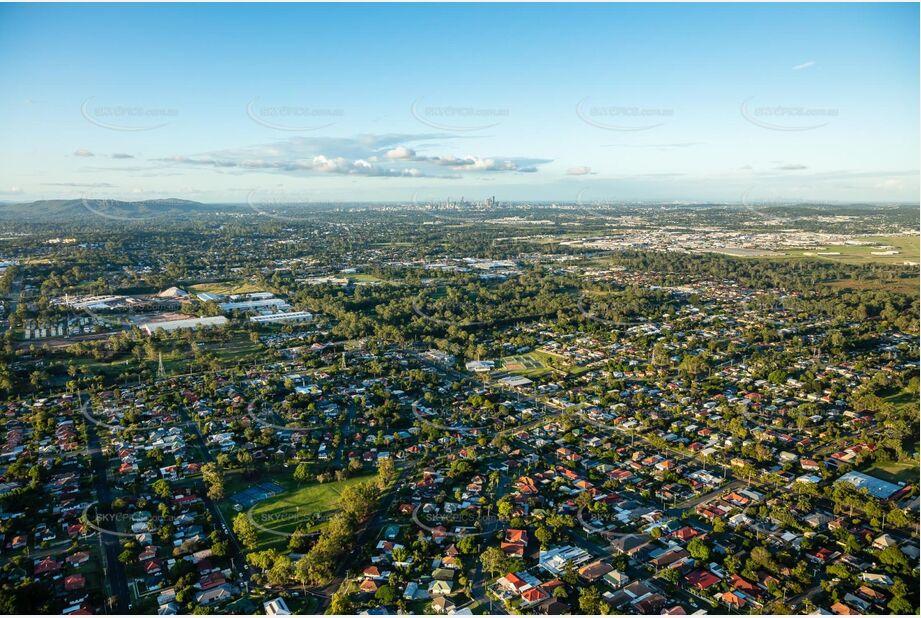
pixel 410 103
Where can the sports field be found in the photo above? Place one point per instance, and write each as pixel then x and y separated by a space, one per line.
pixel 536 363
pixel 308 504
pixel 902 472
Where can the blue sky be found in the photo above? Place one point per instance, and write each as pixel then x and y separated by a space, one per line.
pixel 413 102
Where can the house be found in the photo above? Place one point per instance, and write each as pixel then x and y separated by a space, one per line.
pixel 216 595
pixel 668 557
pixel 515 543
pixel 731 600
pixel 594 571
pixel 677 610
pixel 685 534
pixel 440 587
pixel 211 580
pixel 844 610
pixel 415 592
pixel 650 604
pixel 74 582
pixel 47 566
pixel 368 586
pixel 701 579
pixel 876 579
pixel 884 541
pixel 616 579
pixel 77 559
pixel 276 607
pixel 533 596
pixel 443 605
pixel 513 583
pixel 630 544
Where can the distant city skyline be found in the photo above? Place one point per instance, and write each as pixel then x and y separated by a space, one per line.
pixel 418 103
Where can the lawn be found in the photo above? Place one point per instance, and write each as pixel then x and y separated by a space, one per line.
pixel 536 363
pixel 285 512
pixel 903 400
pixel 904 472
pixel 529 364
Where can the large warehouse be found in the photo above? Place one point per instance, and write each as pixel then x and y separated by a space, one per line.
pixel 171 325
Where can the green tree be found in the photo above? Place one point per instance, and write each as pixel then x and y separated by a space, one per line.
pixel 385 595
pixel 246 531
pixel 698 549
pixel 162 488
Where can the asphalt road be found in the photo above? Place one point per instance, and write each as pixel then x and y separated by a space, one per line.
pixel 236 550
pixel 115 570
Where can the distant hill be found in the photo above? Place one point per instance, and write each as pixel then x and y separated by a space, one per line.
pixel 70 210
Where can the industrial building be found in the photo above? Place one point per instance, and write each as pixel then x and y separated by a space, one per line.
pixel 291 316
pixel 171 325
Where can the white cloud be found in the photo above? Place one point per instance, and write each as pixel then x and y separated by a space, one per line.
pixel 81 185
pixel 83 152
pixel 364 155
pixel 401 152
pixel 581 170
pixel 804 65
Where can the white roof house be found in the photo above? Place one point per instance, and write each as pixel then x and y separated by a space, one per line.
pixel 276 607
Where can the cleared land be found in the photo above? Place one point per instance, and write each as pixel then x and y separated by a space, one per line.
pixel 904 285
pixel 225 287
pixel 907 248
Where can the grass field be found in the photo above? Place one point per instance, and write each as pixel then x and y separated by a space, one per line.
pixel 523 364
pixel 292 508
pixel 903 285
pixel 905 472
pixel 225 287
pixel 903 400
pixel 531 365
pixel 365 278
pixel 908 249
pixel 175 358
pixel 536 363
